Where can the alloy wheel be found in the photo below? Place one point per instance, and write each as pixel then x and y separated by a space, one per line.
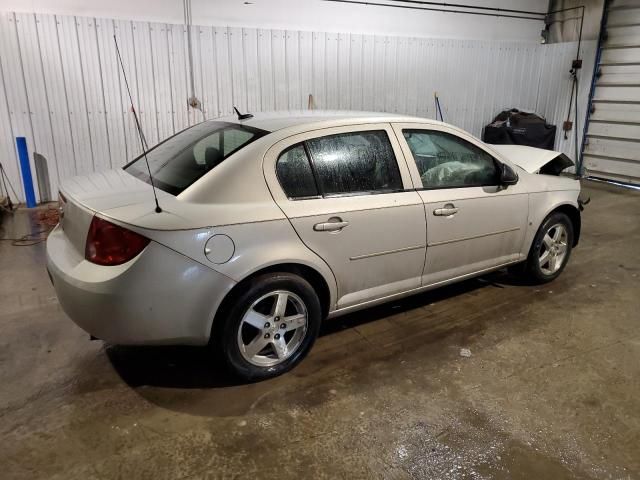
pixel 553 249
pixel 272 328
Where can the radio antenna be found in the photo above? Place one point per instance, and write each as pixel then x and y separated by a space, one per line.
pixel 143 141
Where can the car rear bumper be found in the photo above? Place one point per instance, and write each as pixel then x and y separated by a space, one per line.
pixel 159 297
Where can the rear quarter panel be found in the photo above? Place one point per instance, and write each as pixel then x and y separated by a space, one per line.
pixel 257 245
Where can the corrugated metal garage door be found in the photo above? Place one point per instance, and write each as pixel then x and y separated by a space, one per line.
pixel 613 136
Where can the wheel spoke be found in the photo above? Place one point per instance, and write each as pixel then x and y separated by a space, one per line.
pixel 256 345
pixel 558 233
pixel 548 241
pixel 280 347
pixel 255 319
pixel 544 258
pixel 294 321
pixel 280 306
pixel 553 260
pixel 562 247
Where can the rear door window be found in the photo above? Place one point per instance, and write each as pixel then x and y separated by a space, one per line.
pixel 355 162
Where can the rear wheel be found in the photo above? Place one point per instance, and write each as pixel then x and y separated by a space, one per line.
pixel 550 250
pixel 270 327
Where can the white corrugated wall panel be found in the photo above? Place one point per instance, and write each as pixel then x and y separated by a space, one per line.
pixel 178 76
pixel 250 49
pixel 477 89
pixel 292 52
pixel 9 157
pixel 162 75
pixel 112 96
pixel 223 71
pixel 331 69
pixel 196 115
pixel 369 73
pixel 377 74
pixel 124 34
pixel 402 73
pixel 57 95
pixel 145 81
pixel 265 72
pixel 238 70
pixel 209 93
pixel 344 71
pixel 37 95
pixel 279 70
pixel 76 95
pixel 424 71
pixel 94 92
pixel 305 59
pixel 411 81
pixel 15 94
pixel 72 105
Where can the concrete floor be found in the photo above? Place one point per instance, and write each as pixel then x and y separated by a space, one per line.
pixel 552 389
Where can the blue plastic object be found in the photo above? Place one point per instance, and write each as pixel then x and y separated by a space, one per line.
pixel 25 167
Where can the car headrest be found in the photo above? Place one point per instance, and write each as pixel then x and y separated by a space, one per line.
pixel 212 157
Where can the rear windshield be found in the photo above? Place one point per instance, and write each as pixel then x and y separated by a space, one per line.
pixel 182 159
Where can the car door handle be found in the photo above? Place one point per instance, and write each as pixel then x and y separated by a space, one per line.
pixel 334 224
pixel 448 210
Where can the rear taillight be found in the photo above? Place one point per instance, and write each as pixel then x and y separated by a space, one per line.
pixel 109 244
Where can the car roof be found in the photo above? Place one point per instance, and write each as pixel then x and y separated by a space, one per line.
pixel 274 121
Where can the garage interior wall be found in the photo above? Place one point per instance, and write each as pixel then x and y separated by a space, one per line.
pixel 61 88
pixel 306 15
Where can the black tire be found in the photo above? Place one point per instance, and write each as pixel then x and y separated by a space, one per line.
pixel 226 331
pixel 531 269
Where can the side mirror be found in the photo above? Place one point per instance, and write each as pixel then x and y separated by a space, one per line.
pixel 507 175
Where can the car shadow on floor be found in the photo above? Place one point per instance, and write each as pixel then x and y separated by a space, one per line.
pixel 200 367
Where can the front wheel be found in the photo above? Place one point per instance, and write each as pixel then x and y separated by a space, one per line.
pixel 270 327
pixel 551 249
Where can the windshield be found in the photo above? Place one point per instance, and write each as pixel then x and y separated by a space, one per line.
pixel 183 158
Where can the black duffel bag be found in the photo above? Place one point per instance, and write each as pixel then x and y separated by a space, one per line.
pixel 513 127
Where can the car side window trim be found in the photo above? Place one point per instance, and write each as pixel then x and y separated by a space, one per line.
pixel 351 194
pixel 367 192
pixel 423 189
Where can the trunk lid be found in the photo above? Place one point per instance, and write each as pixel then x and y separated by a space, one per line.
pixel 110 189
pixel 535 160
pixel 114 190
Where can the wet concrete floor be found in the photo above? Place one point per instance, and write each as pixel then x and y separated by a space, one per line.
pixel 551 389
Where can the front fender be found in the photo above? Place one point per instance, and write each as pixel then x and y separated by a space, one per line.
pixel 541 204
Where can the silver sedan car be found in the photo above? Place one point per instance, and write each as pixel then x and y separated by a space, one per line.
pixel 270 225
